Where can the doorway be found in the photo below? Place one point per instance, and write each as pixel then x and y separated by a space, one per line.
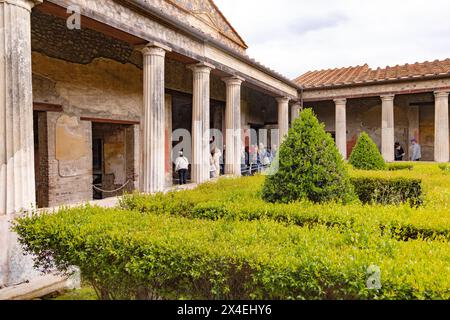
pixel 113 160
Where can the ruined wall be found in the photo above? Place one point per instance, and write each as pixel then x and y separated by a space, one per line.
pixel 103 89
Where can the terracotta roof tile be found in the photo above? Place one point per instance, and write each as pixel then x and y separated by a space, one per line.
pixel 364 74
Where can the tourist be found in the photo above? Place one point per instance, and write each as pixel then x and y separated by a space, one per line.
pixel 181 167
pixel 399 152
pixel 217 155
pixel 212 167
pixel 416 151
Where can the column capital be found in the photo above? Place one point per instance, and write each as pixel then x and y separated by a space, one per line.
pixel 441 94
pixel 154 49
pixel 26 4
pixel 341 101
pixel 282 100
pixel 233 80
pixel 201 67
pixel 387 97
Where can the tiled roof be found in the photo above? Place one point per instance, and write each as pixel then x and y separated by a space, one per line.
pixel 364 75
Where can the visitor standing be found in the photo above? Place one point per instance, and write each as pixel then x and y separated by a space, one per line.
pixel 399 152
pixel 212 167
pixel 217 157
pixel 181 167
pixel 416 151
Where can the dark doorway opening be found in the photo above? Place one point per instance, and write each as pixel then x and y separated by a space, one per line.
pixel 113 160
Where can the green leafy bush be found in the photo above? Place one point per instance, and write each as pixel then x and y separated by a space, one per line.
pixel 310 166
pixel 445 167
pixel 128 255
pixel 366 156
pixel 389 191
pixel 400 166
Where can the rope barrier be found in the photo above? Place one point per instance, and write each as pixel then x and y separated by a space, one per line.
pixel 112 191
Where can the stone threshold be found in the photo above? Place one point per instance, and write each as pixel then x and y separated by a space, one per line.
pixel 39 287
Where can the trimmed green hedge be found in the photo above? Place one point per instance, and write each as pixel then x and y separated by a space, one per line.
pixel 400 166
pixel 365 155
pixel 308 166
pixel 445 167
pixel 128 255
pixel 388 191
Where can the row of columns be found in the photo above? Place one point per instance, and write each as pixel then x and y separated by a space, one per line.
pixel 153 121
pixel 442 143
pixel 153 165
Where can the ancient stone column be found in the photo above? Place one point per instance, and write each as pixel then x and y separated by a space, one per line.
pixel 200 122
pixel 153 151
pixel 387 128
pixel 441 133
pixel 283 118
pixel 233 137
pixel 341 126
pixel 17 179
pixel 295 112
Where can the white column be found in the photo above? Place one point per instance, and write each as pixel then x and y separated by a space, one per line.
pixel 283 119
pixel 341 126
pixel 200 122
pixel 17 178
pixel 387 128
pixel 295 112
pixel 153 175
pixel 441 133
pixel 233 137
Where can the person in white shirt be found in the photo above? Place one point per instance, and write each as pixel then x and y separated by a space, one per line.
pixel 217 155
pixel 181 167
pixel 212 167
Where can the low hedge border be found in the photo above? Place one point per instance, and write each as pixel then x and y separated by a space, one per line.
pixel 127 255
pixel 400 166
pixel 445 167
pixel 388 190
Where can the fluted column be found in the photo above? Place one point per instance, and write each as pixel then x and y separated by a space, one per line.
pixel 341 126
pixel 17 178
pixel 387 128
pixel 233 136
pixel 17 185
pixel 153 153
pixel 295 112
pixel 283 118
pixel 200 122
pixel 441 135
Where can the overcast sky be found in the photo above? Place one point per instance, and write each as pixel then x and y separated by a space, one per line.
pixel 295 36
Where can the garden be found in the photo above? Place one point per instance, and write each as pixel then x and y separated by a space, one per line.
pixel 314 227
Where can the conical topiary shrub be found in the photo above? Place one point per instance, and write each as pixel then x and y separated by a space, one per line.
pixel 366 156
pixel 310 167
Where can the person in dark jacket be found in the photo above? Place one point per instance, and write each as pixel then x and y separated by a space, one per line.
pixel 399 152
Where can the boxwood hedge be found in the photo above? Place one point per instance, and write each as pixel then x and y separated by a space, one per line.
pixel 128 255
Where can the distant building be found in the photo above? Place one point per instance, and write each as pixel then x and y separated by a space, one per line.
pixel 391 104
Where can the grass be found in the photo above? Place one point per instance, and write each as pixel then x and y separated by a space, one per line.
pixel 85 293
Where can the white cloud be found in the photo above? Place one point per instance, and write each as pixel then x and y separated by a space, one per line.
pixel 295 36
